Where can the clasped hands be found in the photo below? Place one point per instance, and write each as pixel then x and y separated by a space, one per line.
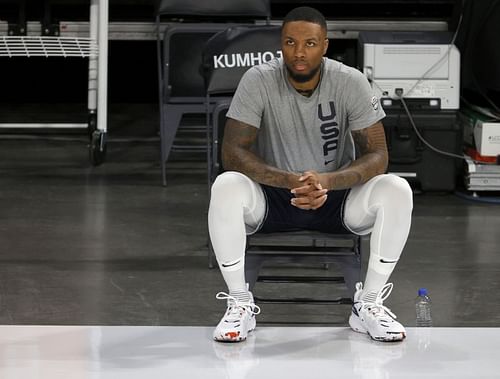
pixel 309 192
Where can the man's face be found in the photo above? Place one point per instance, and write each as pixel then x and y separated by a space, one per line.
pixel 303 44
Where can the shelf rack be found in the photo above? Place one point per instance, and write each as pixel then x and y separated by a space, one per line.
pixel 94 47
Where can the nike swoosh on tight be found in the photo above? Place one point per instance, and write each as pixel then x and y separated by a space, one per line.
pixel 232 264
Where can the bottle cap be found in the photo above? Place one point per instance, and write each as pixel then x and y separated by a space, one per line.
pixel 422 292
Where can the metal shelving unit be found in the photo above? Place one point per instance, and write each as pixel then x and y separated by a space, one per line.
pixel 94 46
pixel 345 29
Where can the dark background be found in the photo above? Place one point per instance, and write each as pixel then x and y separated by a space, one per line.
pixel 133 65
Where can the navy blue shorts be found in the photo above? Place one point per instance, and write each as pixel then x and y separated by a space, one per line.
pixel 282 216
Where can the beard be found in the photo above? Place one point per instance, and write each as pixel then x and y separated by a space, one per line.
pixel 302 78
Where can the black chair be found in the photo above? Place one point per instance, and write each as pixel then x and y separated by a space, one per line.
pixel 302 247
pixel 181 86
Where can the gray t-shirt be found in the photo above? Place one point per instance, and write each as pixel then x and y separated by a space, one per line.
pixel 299 133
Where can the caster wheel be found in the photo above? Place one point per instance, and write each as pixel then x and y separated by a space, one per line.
pixel 92 124
pixel 97 148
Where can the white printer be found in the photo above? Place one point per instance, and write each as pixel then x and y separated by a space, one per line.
pixel 424 65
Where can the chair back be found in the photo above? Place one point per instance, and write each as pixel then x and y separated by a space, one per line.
pixel 179 58
pixel 229 54
pixel 217 136
pixel 218 8
pixel 182 47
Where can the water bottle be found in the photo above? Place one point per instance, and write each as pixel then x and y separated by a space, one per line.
pixel 423 308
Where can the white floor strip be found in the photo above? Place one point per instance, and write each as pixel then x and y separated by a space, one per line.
pixel 94 352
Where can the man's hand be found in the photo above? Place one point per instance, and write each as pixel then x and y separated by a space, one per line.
pixel 311 195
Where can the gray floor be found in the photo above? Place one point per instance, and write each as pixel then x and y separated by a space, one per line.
pixel 111 246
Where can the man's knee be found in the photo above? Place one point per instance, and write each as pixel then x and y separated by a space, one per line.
pixel 395 189
pixel 401 188
pixel 228 182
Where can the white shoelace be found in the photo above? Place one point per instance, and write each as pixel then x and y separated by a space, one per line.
pixel 234 308
pixel 377 308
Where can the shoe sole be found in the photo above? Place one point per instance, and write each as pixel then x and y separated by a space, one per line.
pixel 355 325
pixel 235 336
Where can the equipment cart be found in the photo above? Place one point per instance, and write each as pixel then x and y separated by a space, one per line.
pixel 95 48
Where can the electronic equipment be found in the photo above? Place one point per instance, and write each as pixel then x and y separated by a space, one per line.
pixel 423 67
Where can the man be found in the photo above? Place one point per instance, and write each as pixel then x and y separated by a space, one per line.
pixel 289 151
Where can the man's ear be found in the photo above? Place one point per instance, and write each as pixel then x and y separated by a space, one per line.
pixel 326 46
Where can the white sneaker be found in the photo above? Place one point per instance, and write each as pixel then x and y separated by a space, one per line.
pixel 238 320
pixel 375 319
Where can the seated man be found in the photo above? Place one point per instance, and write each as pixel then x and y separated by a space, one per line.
pixel 289 151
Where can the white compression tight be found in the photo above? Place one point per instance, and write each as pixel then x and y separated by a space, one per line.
pixel 382 206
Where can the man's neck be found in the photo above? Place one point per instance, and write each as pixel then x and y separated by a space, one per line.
pixel 306 89
pixel 305 92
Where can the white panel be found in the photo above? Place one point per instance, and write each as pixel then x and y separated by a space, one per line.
pixel 410 61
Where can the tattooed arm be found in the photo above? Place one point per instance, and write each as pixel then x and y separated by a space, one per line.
pixel 238 156
pixel 372 161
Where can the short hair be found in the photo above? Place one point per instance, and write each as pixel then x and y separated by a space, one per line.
pixel 306 14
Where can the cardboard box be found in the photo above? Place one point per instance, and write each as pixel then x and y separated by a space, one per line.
pixel 487 137
pixel 481 132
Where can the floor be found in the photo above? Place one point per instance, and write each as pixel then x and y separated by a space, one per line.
pixel 109 246
pixel 188 353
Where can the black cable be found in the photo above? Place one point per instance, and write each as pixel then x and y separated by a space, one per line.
pixel 494 200
pixel 447 55
pixel 426 143
pixel 421 138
